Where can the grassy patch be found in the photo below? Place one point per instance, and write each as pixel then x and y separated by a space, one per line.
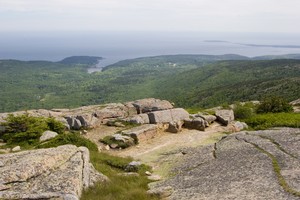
pixel 120 187
pixel 265 121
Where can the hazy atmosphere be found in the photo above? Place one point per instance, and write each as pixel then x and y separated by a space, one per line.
pixel 115 29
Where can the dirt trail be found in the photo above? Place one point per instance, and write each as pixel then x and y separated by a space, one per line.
pixel 164 150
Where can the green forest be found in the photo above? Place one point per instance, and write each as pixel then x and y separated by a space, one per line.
pixel 186 80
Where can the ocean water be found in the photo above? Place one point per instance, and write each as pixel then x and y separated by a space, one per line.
pixel 116 46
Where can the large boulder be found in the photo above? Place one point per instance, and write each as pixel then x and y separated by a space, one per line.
pixel 225 116
pixel 47 135
pixel 73 122
pixel 196 123
pixel 139 119
pixel 209 118
pixel 54 173
pixel 166 116
pixel 143 132
pixel 175 127
pixel 151 104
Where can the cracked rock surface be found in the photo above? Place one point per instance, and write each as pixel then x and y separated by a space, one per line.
pixel 54 173
pixel 248 165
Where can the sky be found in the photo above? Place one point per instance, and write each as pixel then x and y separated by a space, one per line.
pixel 269 16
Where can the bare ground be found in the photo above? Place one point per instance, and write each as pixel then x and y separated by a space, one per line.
pixel 164 150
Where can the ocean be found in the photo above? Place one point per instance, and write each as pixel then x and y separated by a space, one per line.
pixel 117 46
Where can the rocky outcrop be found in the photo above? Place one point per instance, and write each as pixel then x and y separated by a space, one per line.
pixel 166 116
pixel 151 104
pixel 225 116
pixel 244 165
pixel 55 173
pixel 143 132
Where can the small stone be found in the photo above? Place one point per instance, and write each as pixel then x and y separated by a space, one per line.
pixel 47 135
pixel 107 147
pixel 17 148
pixel 84 132
pixel 114 146
pixel 1 164
pixel 148 173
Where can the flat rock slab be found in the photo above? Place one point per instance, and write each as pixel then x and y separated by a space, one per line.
pixel 59 173
pixel 241 166
pixel 143 132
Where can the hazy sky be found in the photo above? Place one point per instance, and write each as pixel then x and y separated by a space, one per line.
pixel 155 15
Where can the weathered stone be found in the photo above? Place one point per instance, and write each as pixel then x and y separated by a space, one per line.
pixel 225 116
pixel 17 148
pixel 247 162
pixel 236 126
pixel 47 135
pixel 73 122
pixel 131 110
pixel 142 133
pixel 166 116
pixel 175 127
pixel 196 123
pixel 151 104
pixel 55 173
pixel 209 118
pixel 84 120
pixel 139 119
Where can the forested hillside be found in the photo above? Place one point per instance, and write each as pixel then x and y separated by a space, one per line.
pixel 187 80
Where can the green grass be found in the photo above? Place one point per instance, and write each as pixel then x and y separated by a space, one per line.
pixel 269 120
pixel 120 187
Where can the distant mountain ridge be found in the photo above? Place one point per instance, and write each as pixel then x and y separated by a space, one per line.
pixel 90 60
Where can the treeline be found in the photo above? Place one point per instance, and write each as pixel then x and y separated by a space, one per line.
pixel 200 83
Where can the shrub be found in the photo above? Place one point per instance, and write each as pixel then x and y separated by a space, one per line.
pixel 70 138
pixel 27 129
pixel 243 111
pixel 274 105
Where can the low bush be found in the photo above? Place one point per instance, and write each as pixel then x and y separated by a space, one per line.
pixel 243 111
pixel 274 105
pixel 69 138
pixel 25 129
